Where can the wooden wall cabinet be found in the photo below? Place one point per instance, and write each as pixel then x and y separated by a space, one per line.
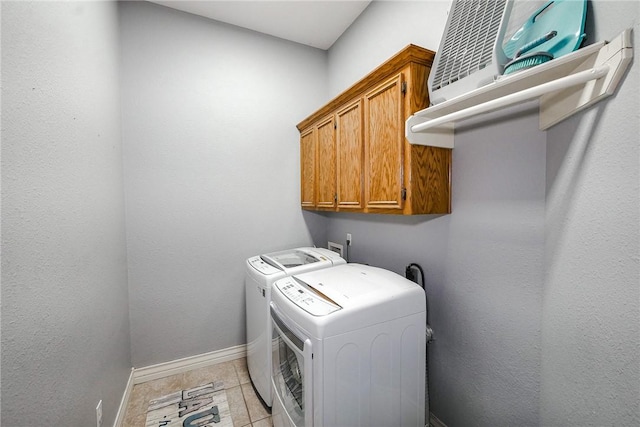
pixel 349 157
pixel 354 156
pixel 326 164
pixel 308 169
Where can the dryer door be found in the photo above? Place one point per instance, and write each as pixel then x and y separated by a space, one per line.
pixel 291 370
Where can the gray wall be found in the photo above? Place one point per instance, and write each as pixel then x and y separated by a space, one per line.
pixel 211 171
pixel 383 29
pixel 65 321
pixel 533 278
pixel 591 293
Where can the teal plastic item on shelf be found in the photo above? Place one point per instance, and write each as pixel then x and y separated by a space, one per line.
pixel 554 30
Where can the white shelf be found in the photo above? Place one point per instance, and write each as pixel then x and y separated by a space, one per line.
pixel 564 86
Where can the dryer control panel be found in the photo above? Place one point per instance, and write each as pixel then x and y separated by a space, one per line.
pixel 306 298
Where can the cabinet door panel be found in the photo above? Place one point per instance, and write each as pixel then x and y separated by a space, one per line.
pixel 349 156
pixel 307 169
pixel 326 164
pixel 384 143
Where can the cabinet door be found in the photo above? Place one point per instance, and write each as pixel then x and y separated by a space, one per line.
pixel 307 168
pixel 383 145
pixel 326 164
pixel 350 148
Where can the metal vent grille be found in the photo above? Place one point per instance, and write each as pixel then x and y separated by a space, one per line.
pixel 469 41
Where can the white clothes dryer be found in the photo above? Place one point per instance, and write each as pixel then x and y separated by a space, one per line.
pixel 261 272
pixel 348 349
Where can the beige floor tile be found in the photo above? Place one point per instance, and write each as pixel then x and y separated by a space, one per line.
pixel 242 370
pixel 237 407
pixel 265 422
pixel 224 372
pixel 136 405
pixel 137 397
pixel 256 409
pixel 131 416
pixel 137 421
pixel 144 392
pixel 160 387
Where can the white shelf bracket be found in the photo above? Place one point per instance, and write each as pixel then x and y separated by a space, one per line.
pixel 616 55
pixel 564 86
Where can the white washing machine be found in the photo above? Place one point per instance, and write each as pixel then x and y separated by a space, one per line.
pixel 261 272
pixel 348 349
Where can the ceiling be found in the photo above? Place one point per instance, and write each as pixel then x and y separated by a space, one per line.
pixel 313 23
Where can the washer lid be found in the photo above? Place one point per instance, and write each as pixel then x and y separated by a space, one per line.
pixel 289 259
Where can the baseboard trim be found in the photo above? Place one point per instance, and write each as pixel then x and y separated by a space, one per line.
pixel 124 401
pixel 435 422
pixel 161 370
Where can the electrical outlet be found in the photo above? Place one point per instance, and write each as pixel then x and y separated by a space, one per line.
pixel 349 241
pixel 99 414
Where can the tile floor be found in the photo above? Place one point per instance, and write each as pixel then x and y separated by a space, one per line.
pixel 246 408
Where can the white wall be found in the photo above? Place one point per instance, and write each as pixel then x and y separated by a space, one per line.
pixel 211 171
pixel 65 321
pixel 533 278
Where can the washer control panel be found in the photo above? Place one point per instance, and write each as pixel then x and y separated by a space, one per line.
pixel 264 268
pixel 305 298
